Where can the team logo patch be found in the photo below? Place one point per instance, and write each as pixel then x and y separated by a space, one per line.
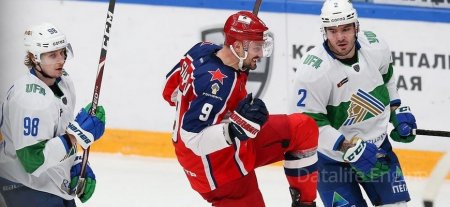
pixel 338 200
pixel 362 106
pixel 356 67
pixel 215 88
pixel 217 75
pixel 258 79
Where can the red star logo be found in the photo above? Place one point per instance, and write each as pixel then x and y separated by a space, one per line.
pixel 217 75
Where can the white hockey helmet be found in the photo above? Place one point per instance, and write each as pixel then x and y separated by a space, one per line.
pixel 44 38
pixel 338 12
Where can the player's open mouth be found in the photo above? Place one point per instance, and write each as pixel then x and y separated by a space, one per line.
pixel 342 44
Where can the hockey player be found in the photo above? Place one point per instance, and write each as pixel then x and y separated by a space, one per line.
pixel 221 133
pixel 38 165
pixel 347 86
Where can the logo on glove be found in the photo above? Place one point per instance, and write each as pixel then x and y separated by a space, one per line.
pixel 79 133
pixel 244 124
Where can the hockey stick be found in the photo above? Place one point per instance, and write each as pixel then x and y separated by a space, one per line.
pixel 256 7
pixel 96 95
pixel 431 133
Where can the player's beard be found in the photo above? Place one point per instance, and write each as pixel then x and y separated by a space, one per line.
pixel 251 64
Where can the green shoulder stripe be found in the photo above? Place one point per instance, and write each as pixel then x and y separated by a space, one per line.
pixel 321 119
pixel 32 157
pixel 387 77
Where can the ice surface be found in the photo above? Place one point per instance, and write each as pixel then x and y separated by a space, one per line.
pixel 132 181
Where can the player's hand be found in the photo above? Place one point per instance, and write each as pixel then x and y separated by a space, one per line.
pixel 89 184
pixel 247 119
pixel 404 122
pixel 88 128
pixel 364 159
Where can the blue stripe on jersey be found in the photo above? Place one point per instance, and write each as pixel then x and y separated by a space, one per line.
pixel 338 142
pixel 301 171
pixel 396 102
pixel 211 170
pixel 349 121
pixel 375 102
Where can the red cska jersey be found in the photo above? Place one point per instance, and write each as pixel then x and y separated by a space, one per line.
pixel 204 92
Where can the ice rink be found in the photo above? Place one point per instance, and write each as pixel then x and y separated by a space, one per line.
pixel 132 181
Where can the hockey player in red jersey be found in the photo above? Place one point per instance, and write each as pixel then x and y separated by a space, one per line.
pixel 221 133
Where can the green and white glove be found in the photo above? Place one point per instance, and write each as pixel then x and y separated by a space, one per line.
pixel 89 184
pixel 404 122
pixel 87 128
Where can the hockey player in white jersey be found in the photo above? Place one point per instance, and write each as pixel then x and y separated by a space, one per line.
pixel 38 161
pixel 347 86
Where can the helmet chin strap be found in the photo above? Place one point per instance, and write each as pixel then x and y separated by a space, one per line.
pixel 42 71
pixel 241 59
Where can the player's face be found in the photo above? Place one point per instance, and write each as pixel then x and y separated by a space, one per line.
pixel 341 40
pixel 52 62
pixel 255 52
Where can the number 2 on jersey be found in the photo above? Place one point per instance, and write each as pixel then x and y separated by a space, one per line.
pixel 302 92
pixel 31 126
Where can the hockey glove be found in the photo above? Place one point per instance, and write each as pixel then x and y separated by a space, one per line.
pixel 295 195
pixel 404 122
pixel 363 158
pixel 89 184
pixel 247 119
pixel 87 128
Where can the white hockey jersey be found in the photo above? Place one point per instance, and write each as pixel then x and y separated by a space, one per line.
pixel 32 119
pixel 347 100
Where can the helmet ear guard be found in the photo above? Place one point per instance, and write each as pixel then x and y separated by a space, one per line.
pixel 43 38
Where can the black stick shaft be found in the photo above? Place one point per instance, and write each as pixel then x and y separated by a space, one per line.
pixel 432 133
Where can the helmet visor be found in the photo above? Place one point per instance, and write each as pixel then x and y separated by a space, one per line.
pixel 57 56
pixel 262 48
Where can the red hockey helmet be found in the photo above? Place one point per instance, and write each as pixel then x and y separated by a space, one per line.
pixel 242 26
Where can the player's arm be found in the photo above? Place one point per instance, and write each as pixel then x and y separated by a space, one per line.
pixel 312 96
pixel 170 90
pixel 400 115
pixel 33 131
pixel 386 69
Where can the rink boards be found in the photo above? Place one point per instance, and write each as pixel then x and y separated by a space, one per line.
pixel 418 163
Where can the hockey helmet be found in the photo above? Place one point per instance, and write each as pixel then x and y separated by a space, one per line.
pixel 245 26
pixel 338 12
pixel 44 38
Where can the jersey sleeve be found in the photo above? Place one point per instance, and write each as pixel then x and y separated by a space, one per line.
pixel 312 92
pixel 387 72
pixel 32 126
pixel 202 130
pixel 170 90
